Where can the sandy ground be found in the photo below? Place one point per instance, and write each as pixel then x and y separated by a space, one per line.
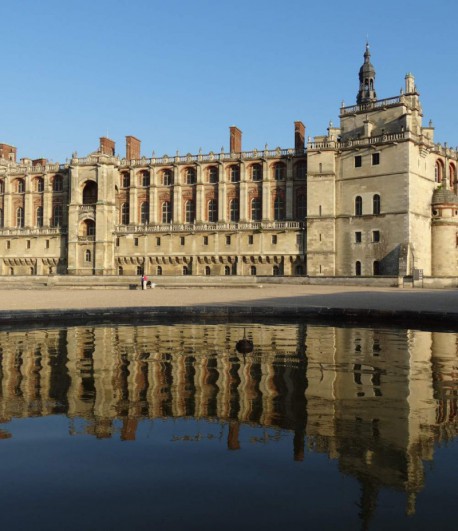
pixel 289 295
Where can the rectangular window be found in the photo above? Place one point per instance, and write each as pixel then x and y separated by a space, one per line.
pixel 250 240
pixel 158 241
pixel 358 238
pixel 274 239
pixel 375 159
pixel 117 242
pixel 8 244
pixel 47 244
pixel 358 161
pixel 136 242
pixel 28 244
pixel 375 235
pixel 182 240
pixel 205 240
pixel 228 240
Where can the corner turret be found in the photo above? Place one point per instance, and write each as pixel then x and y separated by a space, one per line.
pixel 366 92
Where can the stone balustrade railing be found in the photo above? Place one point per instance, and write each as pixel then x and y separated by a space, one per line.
pixel 209 227
pixel 35 231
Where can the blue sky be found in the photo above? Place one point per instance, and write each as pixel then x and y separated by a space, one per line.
pixel 178 73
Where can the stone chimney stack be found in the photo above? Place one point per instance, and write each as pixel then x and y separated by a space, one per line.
pixel 235 140
pixel 8 152
pixel 299 136
pixel 132 148
pixel 107 146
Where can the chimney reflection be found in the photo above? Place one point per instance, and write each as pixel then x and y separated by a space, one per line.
pixel 375 400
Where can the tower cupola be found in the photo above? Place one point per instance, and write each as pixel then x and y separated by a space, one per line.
pixel 366 92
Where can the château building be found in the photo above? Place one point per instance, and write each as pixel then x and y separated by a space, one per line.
pixel 374 196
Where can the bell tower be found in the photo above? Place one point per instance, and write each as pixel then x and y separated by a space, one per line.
pixel 366 92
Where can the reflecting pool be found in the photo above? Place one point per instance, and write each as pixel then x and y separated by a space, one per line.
pixel 187 427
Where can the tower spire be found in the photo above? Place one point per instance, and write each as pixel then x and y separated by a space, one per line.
pixel 366 92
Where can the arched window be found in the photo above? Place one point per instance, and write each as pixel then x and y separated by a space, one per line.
pixel 207 271
pixel 39 184
pixel 376 267
pixel 39 217
pixel 452 173
pixel 234 209
pixel 256 209
pixel 125 214
pixel 376 204
pixel 279 208
pixel 20 217
pixel 2 187
pixel 185 270
pixel 190 212
pixel 57 215
pixel 144 179
pixel 253 271
pixel 301 207
pixel 299 270
pixel 167 178
pixel 144 212
pixel 120 270
pixel 256 172
pixel 358 205
pixel 212 211
pixel 213 174
pixel 227 271
pixel 90 193
pixel 166 212
pixel 190 176
pixel 234 174
pixel 279 171
pixel 88 227
pixel 1 218
pixel 358 268
pixel 57 184
pixel 87 255
pixel 20 186
pixel 438 173
pixel 125 180
pixel 276 271
pixel 158 271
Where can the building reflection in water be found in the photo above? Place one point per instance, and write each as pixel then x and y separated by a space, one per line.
pixel 375 400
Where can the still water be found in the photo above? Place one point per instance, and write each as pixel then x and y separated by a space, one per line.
pixel 172 427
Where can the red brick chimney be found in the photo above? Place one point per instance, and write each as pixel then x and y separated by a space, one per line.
pixel 8 152
pixel 132 148
pixel 39 162
pixel 107 146
pixel 299 136
pixel 235 140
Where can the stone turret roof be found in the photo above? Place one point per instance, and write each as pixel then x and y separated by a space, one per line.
pixel 443 196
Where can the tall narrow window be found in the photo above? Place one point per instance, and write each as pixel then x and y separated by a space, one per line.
pixel 253 271
pixel 144 212
pixel 166 212
pixel 301 170
pixel 125 214
pixel 57 184
pixel 376 204
pixel 256 172
pixel 20 187
pixel 227 271
pixel 375 159
pixel 256 209
pixel 20 217
pixel 189 211
pixel 279 172
pixel 1 217
pixel 212 211
pixel 301 207
pixel 234 174
pixel 213 175
pixel 190 176
pixel 358 205
pixel 39 184
pixel 452 173
pixel 438 169
pixel 39 216
pixel 358 268
pixel 2 187
pixel 207 271
pixel 57 215
pixel 358 161
pixel 167 178
pixel 125 180
pixel 88 255
pixel 376 267
pixel 145 179
pixel 279 209
pixel 234 209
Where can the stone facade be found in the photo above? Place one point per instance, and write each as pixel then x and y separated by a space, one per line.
pixel 374 196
